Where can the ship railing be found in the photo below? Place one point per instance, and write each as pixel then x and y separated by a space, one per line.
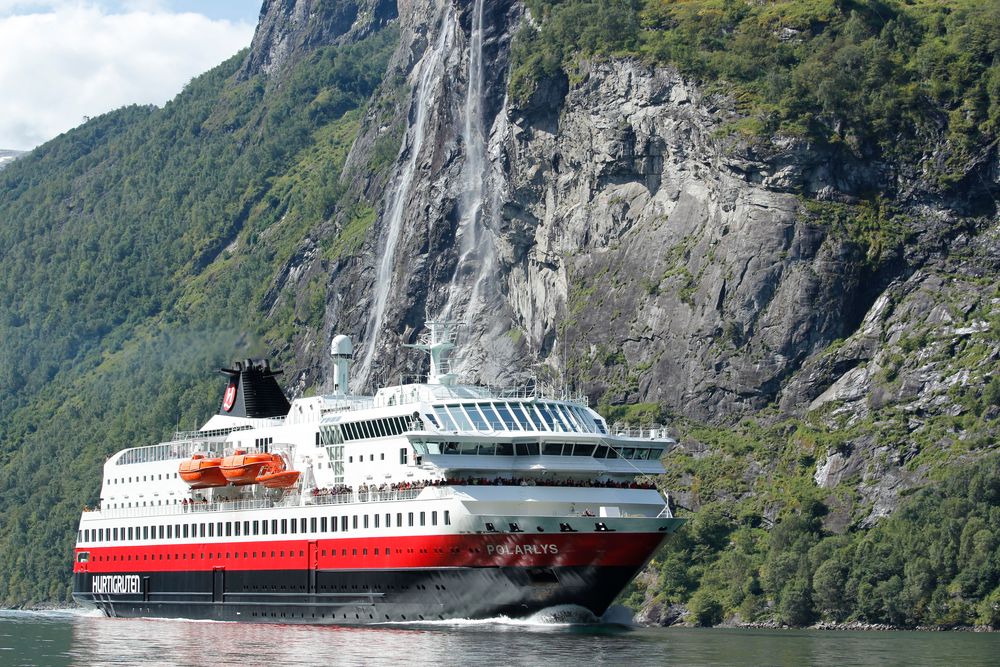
pixel 665 513
pixel 295 500
pixel 531 390
pixel 374 496
pixel 258 422
pixel 639 432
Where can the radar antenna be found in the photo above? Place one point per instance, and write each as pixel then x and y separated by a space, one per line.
pixel 438 342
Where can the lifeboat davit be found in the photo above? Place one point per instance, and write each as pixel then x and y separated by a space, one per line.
pixel 275 476
pixel 201 473
pixel 241 468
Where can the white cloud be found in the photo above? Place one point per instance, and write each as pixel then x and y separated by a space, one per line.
pixel 74 60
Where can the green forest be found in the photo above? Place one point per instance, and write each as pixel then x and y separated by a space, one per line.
pixel 935 562
pixel 880 79
pixel 138 250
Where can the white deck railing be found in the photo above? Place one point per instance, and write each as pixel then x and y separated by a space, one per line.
pixel 297 500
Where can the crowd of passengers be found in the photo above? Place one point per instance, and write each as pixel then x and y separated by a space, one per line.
pixel 366 489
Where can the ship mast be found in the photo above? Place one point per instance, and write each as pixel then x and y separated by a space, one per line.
pixel 438 342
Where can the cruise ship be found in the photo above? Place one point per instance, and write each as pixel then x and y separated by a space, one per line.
pixel 431 499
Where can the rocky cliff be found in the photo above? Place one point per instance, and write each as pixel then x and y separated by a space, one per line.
pixel 613 233
pixel 815 313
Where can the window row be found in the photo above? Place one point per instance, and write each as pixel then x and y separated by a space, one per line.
pixel 364 430
pixel 546 449
pixel 296 526
pixel 85 557
pixel 152 478
pixel 516 416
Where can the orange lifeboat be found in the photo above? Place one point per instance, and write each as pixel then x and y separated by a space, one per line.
pixel 279 480
pixel 275 476
pixel 201 473
pixel 242 468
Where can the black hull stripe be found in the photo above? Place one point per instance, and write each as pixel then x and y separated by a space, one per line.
pixel 364 596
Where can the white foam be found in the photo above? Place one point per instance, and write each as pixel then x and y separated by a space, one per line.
pixel 559 616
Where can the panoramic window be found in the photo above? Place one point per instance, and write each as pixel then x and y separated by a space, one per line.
pixel 460 417
pixel 492 417
pixel 478 421
pixel 505 417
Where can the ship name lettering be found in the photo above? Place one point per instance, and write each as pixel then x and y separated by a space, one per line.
pixel 521 549
pixel 114 584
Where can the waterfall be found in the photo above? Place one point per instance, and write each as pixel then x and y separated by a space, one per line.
pixel 423 100
pixel 475 252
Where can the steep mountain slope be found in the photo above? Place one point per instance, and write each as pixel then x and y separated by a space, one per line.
pixel 138 251
pixel 8 156
pixel 687 209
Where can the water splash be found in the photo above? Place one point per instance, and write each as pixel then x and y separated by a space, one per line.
pixel 423 101
pixel 558 616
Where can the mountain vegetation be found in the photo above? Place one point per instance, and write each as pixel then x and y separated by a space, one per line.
pixel 934 562
pixel 137 253
pixel 148 247
pixel 879 78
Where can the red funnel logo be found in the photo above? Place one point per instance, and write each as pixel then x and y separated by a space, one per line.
pixel 230 396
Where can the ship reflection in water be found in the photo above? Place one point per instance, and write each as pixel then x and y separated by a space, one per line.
pixel 100 640
pixel 72 638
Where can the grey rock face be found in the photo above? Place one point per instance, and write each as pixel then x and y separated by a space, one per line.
pixel 628 244
pixel 291 28
pixel 647 238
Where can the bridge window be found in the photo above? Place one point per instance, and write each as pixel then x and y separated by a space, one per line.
pixel 492 417
pixel 460 417
pixel 447 423
pixel 505 417
pixel 478 420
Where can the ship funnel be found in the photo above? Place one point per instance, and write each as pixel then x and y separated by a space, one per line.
pixel 341 350
pixel 253 391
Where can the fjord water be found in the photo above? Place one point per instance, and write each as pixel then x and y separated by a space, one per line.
pixel 73 638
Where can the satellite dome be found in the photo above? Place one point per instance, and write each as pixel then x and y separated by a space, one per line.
pixel 341 346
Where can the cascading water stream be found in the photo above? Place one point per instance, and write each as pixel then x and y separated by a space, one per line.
pixel 429 70
pixel 474 253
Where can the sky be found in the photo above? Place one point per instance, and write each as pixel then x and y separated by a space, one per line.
pixel 64 60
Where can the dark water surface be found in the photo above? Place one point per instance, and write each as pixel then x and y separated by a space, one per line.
pixel 69 638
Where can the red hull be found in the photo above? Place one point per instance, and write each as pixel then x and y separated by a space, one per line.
pixel 432 551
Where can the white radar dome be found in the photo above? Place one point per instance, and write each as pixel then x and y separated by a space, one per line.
pixel 341 346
